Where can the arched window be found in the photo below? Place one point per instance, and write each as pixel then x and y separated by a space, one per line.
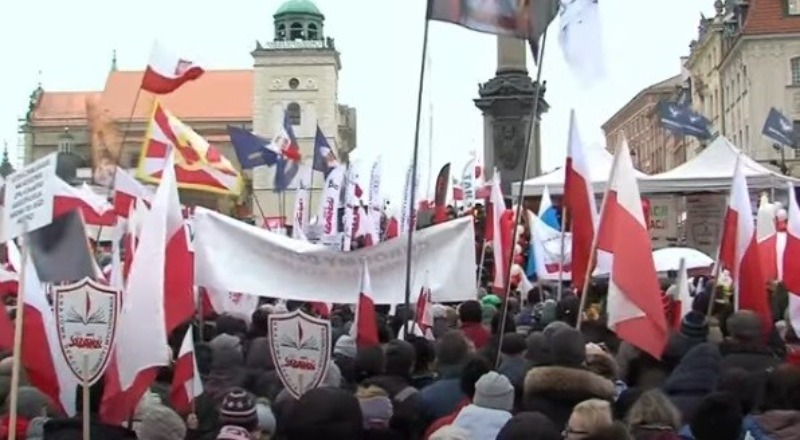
pixel 296 31
pixel 312 32
pixel 293 110
pixel 795 63
pixel 280 33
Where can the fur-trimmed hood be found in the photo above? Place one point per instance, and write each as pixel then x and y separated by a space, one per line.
pixel 567 384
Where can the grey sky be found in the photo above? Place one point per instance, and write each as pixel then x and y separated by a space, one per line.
pixel 380 41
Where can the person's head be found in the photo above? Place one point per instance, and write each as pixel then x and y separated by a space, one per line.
pixel 399 358
pixel 782 389
pixel 376 407
pixel 513 345
pixel 614 431
pixel 238 408
pixel 452 349
pixel 494 391
pixel 603 364
pixel 424 354
pixel 537 350
pixel 324 413
pixel 529 426
pixel 745 327
pixel 718 417
pixel 653 412
pixel 470 312
pixel 745 385
pixel 568 348
pixel 473 370
pixel 160 423
pixel 370 362
pixel 510 326
pixel 587 418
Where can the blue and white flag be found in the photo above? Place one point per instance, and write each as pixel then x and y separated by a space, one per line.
pixel 779 128
pixel 681 120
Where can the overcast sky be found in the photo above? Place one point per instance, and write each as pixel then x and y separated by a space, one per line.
pixel 380 42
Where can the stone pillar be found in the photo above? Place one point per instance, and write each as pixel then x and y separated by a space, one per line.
pixel 506 102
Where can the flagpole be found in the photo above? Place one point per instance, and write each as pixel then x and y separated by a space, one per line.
pixel 564 218
pixel 414 166
pixel 17 359
pixel 532 124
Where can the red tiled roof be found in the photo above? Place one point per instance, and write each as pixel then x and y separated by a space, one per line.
pixel 769 17
pixel 63 108
pixel 218 95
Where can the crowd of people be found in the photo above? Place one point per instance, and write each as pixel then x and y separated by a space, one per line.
pixel 722 377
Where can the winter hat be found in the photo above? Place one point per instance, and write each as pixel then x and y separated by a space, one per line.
pixel 231 432
pixel 30 402
pixel 513 344
pixel 266 419
pixel 226 350
pixel 568 348
pixel 694 326
pixel 538 350
pixel 160 423
pixel 376 408
pixel 745 326
pixel 345 346
pixel 529 426
pixel 491 300
pixel 238 408
pixel 323 413
pixel 553 328
pixel 494 391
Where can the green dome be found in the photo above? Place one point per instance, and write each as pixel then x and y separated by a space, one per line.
pixel 298 7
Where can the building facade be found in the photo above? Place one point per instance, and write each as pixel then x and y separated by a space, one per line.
pixel 297 71
pixel 653 149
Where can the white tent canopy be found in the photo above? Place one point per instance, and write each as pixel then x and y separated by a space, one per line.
pixel 712 170
pixel 599 161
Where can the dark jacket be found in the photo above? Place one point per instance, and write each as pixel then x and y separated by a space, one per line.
pixel 695 376
pixel 406 404
pixel 755 358
pixel 441 397
pixel 71 429
pixel 554 391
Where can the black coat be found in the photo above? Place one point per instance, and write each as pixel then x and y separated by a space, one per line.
pixel 72 429
pixel 695 376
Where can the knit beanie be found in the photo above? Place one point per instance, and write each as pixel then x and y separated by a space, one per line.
pixel 231 432
pixel 160 423
pixel 494 391
pixel 568 348
pixel 238 408
pixel 745 326
pixel 694 326
pixel 376 411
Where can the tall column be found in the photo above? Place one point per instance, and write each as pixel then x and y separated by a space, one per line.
pixel 506 102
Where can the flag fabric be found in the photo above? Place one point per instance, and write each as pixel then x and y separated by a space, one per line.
pixel 581 39
pixel 285 173
pixel 767 237
pixel 324 158
pixel 60 251
pixel 285 142
pixel 739 251
pixel 547 212
pixel 167 71
pixel 95 209
pixel 458 191
pixel 408 212
pixel 186 383
pixel 351 204
pixel 251 149
pixel 375 199
pixel 498 208
pixel 301 211
pixel 526 20
pixel 681 120
pixel 365 327
pixel 580 204
pixel 423 316
pixel 791 260
pixel 684 298
pixel 6 327
pixel 779 128
pixel 440 195
pixel 239 305
pixel 545 259
pixel 548 216
pixel 126 191
pixel 635 310
pixel 198 164
pixel 156 294
pixel 328 212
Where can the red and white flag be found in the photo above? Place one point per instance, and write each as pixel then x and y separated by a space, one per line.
pixel 635 311
pixel 498 207
pixel 159 293
pixel 329 206
pixel 580 204
pixel 95 209
pixel 767 237
pixel 167 71
pixel 423 316
pixel 739 251
pixel 365 327
pixel 186 383
pixel 126 190
pixel 791 260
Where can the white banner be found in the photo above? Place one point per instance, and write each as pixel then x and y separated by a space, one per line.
pixel 301 205
pixel 328 213
pixel 231 256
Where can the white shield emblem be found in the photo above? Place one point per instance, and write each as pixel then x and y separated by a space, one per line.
pixel 300 345
pixel 86 318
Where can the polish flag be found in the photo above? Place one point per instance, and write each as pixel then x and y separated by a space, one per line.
pixel 166 71
pixel 423 315
pixel 635 311
pixel 791 260
pixel 138 212
pixel 458 191
pixel 46 369
pixel 767 237
pixel 94 208
pixel 498 206
pixel 579 203
pixel 684 298
pixel 186 383
pixel 126 190
pixel 365 327
pixel 153 297
pixel 739 251
pixel 392 227
pixel 285 142
pixel 9 280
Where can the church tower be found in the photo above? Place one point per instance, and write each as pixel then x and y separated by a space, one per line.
pixel 298 71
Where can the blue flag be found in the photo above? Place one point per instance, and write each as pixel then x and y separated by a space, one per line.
pixel 251 150
pixel 285 172
pixel 324 158
pixel 681 120
pixel 779 128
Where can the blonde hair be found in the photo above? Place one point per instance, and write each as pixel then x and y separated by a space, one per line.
pixel 654 409
pixel 370 392
pixel 596 413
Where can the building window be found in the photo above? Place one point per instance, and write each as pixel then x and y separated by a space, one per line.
pixel 65 142
pixel 296 31
pixel 793 7
pixel 293 110
pixel 795 63
pixel 312 32
pixel 294 83
pixel 280 33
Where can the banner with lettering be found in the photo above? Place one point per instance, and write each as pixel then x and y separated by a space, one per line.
pixel 232 256
pixel 328 213
pixel 301 206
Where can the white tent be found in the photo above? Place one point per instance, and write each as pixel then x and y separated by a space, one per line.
pixel 599 161
pixel 712 170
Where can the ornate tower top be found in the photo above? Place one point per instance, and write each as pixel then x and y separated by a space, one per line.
pixel 298 20
pixel 5 166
